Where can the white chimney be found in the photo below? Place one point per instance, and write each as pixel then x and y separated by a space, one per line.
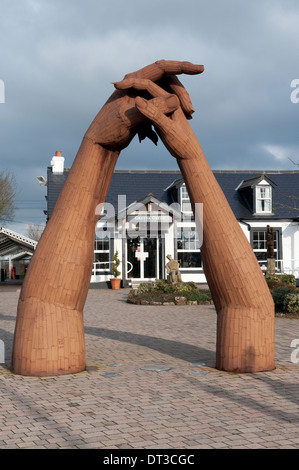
pixel 57 163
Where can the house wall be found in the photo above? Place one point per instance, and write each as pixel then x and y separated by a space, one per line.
pixel 289 242
pixel 289 250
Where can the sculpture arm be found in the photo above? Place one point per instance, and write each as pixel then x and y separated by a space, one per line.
pixel 60 269
pixel 64 254
pixel 245 320
pixel 225 248
pixel 49 331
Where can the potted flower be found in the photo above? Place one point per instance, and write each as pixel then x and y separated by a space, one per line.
pixel 115 281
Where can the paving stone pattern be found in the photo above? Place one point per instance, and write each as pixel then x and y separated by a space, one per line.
pixel 123 402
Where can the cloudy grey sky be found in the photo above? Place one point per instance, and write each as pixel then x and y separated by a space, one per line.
pixel 58 59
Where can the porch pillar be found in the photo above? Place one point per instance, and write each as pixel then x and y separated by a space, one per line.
pixel 9 267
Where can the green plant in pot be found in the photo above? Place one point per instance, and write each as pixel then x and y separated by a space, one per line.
pixel 115 281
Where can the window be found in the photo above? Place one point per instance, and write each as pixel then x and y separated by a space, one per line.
pixel 101 254
pixel 188 248
pixel 185 200
pixel 263 199
pixel 259 245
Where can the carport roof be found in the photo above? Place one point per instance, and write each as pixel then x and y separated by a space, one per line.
pixel 11 241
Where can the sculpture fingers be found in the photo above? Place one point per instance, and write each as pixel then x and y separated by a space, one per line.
pixel 164 105
pixel 171 82
pixel 180 91
pixel 174 131
pixel 174 67
pixel 141 84
pixel 153 113
pixel 163 125
pixel 159 68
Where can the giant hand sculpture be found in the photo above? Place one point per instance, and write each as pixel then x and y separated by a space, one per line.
pixel 49 331
pixel 244 305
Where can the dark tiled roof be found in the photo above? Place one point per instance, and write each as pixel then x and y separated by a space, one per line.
pixel 135 185
pixel 251 182
pixel 285 193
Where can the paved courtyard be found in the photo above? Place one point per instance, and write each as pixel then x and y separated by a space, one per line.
pixel 117 404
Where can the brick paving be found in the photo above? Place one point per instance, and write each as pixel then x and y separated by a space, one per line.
pixel 189 406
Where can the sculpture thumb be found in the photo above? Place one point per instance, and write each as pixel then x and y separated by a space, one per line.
pixel 149 110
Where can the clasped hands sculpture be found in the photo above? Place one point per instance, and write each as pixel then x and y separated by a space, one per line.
pixel 49 332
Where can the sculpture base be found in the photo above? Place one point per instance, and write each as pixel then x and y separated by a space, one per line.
pixel 54 341
pixel 270 267
pixel 245 340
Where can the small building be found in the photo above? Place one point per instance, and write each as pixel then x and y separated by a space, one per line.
pixel 147 216
pixel 16 251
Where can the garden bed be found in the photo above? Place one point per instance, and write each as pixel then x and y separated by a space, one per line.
pixel 283 289
pixel 162 293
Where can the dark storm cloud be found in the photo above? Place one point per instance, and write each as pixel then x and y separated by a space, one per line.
pixel 58 59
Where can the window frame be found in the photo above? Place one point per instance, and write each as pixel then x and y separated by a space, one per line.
pixel 185 199
pixel 277 245
pixel 187 228
pixel 259 198
pixel 102 251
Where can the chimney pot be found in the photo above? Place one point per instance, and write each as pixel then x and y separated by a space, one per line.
pixel 57 163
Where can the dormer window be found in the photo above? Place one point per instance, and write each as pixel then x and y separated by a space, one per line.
pixel 257 194
pixel 263 199
pixel 178 193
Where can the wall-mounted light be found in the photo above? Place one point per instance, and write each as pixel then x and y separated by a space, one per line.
pixel 42 180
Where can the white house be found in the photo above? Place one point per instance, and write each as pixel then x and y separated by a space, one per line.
pixel 147 215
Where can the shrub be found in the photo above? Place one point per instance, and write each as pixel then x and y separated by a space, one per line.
pixel 161 290
pixel 181 288
pixel 186 287
pixel 160 284
pixel 200 297
pixel 291 302
pixel 114 267
pixel 281 280
pixel 145 287
pixel 289 279
pixel 279 294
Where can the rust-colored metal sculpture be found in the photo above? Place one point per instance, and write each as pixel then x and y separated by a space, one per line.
pixel 49 332
pixel 244 305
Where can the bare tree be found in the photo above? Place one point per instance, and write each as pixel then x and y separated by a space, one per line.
pixel 8 191
pixel 35 231
pixel 293 161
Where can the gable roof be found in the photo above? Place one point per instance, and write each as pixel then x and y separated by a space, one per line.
pixel 149 198
pixel 136 185
pixel 11 242
pixel 252 182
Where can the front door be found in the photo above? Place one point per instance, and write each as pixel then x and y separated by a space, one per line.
pixel 145 258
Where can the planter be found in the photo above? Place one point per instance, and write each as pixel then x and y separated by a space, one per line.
pixel 115 283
